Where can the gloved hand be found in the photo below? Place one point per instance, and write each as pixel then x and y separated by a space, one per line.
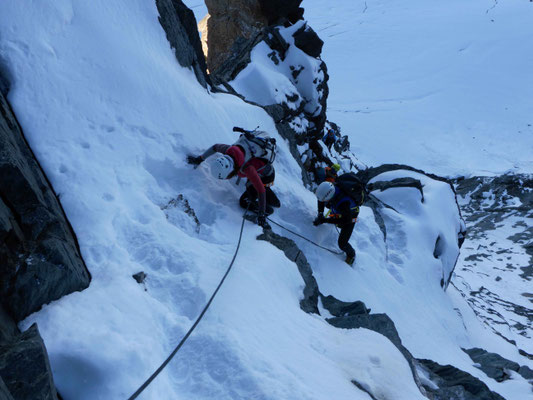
pixel 194 160
pixel 319 220
pixel 262 222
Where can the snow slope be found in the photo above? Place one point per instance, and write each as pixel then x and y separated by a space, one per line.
pixel 111 115
pixel 443 86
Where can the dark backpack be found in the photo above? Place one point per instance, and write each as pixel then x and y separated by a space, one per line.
pixel 354 187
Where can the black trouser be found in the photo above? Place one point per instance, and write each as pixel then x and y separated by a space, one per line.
pixel 250 194
pixel 344 237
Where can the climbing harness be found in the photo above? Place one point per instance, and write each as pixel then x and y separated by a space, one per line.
pixel 169 358
pixel 303 237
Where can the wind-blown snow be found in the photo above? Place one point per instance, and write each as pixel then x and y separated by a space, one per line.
pixel 111 116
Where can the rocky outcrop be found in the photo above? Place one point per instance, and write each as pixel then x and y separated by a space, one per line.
pixel 497 367
pixel 179 24
pixel 39 255
pixel 25 368
pixel 276 11
pixel 226 22
pixel 229 20
pixel 452 383
pixel 308 41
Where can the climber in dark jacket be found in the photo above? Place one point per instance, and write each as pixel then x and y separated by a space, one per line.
pixel 344 212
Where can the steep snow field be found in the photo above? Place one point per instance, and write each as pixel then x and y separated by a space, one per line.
pixel 111 115
pixel 442 86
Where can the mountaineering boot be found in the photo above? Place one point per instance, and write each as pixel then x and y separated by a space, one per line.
pixel 262 222
pixel 350 260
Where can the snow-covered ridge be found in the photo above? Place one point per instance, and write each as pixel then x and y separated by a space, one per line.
pixel 113 138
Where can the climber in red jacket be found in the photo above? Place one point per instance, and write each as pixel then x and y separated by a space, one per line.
pixel 260 174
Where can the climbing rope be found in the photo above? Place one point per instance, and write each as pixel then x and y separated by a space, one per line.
pixel 169 358
pixel 304 238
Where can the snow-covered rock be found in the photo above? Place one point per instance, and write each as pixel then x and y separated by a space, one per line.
pixel 424 209
pixel 496 263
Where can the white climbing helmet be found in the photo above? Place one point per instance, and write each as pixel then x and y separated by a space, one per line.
pixel 325 191
pixel 222 167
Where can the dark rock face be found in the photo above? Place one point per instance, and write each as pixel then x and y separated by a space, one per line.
pixel 39 255
pixel 277 10
pixel 455 384
pixel 25 368
pixel 308 41
pixel 230 21
pixel 179 24
pixel 495 366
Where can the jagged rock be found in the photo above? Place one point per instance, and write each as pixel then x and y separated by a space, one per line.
pixel 139 277
pixel 39 255
pixel 339 308
pixel 308 41
pixel 231 20
pixel 179 212
pixel 227 21
pixel 495 366
pixel 179 24
pixel 277 10
pixel 25 368
pixel 455 384
pixel 309 303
